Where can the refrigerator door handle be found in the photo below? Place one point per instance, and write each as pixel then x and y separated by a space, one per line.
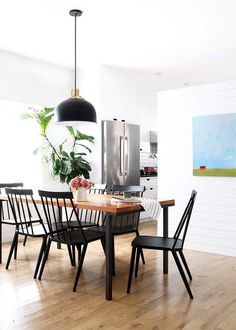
pixel 126 155
pixel 121 155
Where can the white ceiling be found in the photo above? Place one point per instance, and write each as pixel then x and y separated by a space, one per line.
pixel 187 41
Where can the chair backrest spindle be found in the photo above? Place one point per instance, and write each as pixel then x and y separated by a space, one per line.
pixel 9 185
pixel 55 206
pixel 19 201
pixel 184 222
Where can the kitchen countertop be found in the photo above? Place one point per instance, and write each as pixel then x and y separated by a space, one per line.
pixel 148 176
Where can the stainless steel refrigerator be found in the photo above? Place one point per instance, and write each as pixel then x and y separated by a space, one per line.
pixel 120 153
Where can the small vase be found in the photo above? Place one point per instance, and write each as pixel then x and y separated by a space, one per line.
pixel 81 195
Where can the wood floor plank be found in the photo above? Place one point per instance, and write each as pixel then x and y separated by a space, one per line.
pixel 157 301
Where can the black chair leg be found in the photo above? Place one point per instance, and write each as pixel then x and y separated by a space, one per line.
pixel 103 241
pixel 13 245
pixel 182 274
pixel 81 260
pixel 185 264
pixel 142 255
pixel 44 259
pixel 131 269
pixel 78 249
pixel 16 246
pixel 72 260
pixel 137 261
pixel 46 254
pixel 25 239
pixel 42 250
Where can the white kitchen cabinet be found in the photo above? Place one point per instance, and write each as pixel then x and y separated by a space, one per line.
pixel 150 184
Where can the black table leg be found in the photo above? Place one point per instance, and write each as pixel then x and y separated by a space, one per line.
pixel 0 232
pixel 109 257
pixel 165 234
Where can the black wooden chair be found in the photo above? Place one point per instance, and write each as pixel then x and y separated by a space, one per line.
pixel 57 208
pixel 124 224
pixel 173 244
pixel 22 203
pixel 91 218
pixel 88 218
pixel 98 188
pixel 120 189
pixel 6 217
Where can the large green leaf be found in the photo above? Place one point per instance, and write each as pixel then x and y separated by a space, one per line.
pixel 42 117
pixel 82 145
pixel 71 131
pixel 64 154
pixel 26 116
pixel 39 149
pixel 82 136
pixel 79 136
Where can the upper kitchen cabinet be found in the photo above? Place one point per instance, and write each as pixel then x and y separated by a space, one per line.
pixel 153 142
pixel 143 113
pixel 153 116
pixel 118 104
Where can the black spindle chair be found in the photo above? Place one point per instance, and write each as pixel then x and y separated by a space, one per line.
pixel 173 244
pixel 91 218
pixel 88 218
pixel 124 224
pixel 6 214
pixel 98 188
pixel 22 203
pixel 57 208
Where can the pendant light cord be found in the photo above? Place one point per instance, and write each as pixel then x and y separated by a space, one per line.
pixel 75 52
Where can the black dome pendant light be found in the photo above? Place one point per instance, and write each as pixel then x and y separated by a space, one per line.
pixel 75 110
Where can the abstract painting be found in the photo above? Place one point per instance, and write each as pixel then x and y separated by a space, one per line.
pixel 214 145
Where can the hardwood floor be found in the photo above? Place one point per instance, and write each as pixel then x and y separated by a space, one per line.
pixel 156 301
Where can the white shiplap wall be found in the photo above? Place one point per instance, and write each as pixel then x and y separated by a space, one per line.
pixel 213 224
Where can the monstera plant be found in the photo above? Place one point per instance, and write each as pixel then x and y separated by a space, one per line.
pixel 64 163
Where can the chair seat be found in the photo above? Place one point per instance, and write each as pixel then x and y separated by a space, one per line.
pixel 13 221
pixel 156 243
pixel 116 230
pixel 8 222
pixel 38 231
pixel 75 224
pixel 75 237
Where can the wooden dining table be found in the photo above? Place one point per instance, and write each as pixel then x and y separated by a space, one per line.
pixel 105 204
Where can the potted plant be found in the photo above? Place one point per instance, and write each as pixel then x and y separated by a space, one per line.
pixel 63 163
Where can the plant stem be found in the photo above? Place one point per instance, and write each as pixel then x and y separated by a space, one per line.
pixel 53 148
pixel 73 148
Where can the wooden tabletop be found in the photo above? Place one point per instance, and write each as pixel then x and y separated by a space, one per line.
pixel 99 202
pixel 167 203
pixel 105 203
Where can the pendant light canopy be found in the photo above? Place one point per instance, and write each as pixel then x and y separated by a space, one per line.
pixel 75 110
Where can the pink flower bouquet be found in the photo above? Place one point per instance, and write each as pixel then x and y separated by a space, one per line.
pixel 79 182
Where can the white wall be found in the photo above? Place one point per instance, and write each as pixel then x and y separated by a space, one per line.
pixel 34 82
pixel 30 82
pixel 213 225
